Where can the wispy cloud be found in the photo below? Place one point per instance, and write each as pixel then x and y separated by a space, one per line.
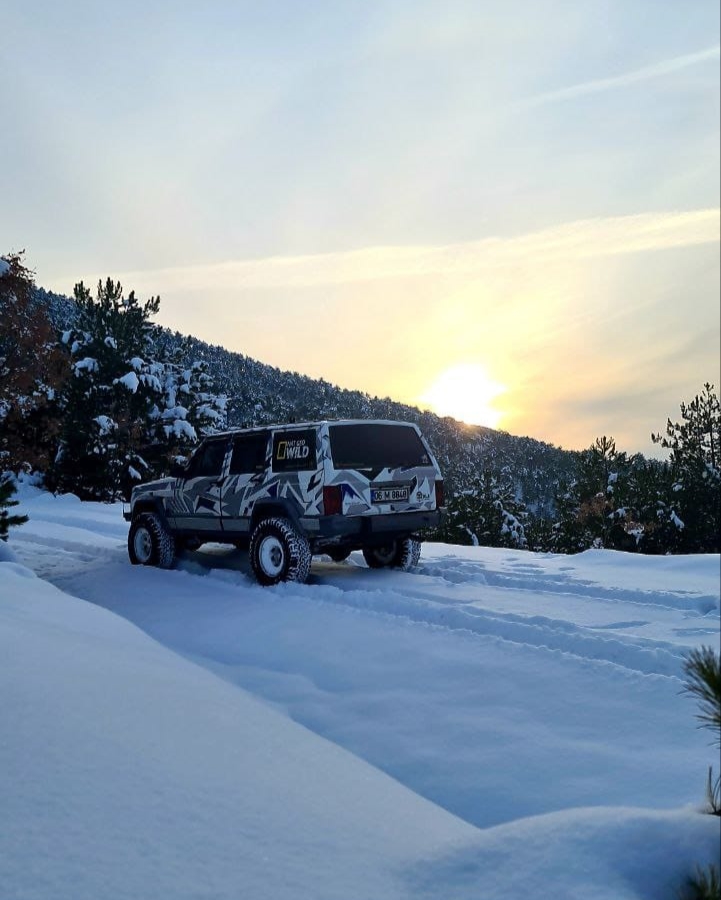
pixel 571 241
pixel 646 73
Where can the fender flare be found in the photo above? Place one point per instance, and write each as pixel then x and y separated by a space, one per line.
pixel 267 509
pixel 151 504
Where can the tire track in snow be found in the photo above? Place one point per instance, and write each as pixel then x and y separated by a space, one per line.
pixel 641 655
pixel 64 548
pixel 533 578
pixel 422 602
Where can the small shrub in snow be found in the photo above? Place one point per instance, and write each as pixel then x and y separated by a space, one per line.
pixel 703 679
pixel 713 793
pixel 7 489
pixel 704 885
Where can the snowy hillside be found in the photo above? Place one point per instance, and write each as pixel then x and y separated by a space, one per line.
pixel 259 393
pixel 496 724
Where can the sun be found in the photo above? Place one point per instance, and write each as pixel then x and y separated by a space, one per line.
pixel 465 392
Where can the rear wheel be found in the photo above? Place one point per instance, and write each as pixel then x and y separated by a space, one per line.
pixel 150 542
pixel 381 556
pixel 278 552
pixel 400 554
pixel 415 553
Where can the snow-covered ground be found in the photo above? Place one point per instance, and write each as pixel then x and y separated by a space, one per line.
pixel 496 724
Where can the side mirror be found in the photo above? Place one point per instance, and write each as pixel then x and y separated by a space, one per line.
pixel 177 470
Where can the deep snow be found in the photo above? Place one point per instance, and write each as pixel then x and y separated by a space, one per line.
pixel 190 734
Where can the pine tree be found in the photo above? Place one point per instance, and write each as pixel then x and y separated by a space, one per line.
pixel 7 489
pixel 585 505
pixel 486 514
pixel 129 406
pixel 694 502
pixel 614 502
pixel 649 486
pixel 540 533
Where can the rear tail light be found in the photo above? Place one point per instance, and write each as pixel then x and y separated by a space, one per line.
pixel 440 495
pixel 332 500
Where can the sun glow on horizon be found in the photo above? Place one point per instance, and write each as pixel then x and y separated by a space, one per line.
pixel 466 393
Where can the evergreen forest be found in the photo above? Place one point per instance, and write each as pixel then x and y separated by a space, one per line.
pixel 95 397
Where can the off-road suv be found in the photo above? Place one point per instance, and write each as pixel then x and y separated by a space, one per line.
pixel 289 491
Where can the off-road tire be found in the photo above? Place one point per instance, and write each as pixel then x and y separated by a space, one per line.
pixel 415 553
pixel 278 552
pixel 150 542
pixel 403 554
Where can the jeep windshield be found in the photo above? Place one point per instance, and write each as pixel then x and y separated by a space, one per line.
pixel 376 447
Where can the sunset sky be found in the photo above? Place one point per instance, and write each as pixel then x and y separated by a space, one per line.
pixel 505 211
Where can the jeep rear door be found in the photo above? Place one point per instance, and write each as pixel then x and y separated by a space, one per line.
pixel 382 467
pixel 197 502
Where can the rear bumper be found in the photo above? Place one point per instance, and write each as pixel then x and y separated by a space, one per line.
pixel 360 528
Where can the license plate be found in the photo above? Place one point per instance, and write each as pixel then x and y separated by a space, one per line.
pixel 389 495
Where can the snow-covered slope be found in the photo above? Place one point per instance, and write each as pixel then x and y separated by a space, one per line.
pixel 497 723
pixel 123 765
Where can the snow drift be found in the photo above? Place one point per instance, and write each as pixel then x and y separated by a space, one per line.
pixel 496 724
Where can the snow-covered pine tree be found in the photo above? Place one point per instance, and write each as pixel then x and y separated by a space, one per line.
pixel 32 370
pixel 642 506
pixel 694 503
pixel 189 405
pixel 127 412
pixel 595 508
pixel 569 532
pixel 488 514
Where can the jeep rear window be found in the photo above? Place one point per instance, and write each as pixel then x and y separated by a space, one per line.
pixel 376 447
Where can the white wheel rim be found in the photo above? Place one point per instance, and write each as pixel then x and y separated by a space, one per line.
pixel 271 554
pixel 143 544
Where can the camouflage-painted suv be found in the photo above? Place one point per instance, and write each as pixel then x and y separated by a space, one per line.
pixel 289 491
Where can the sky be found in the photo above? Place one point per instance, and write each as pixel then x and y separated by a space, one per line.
pixel 503 211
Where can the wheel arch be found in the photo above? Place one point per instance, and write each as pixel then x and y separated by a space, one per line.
pixel 269 509
pixel 150 505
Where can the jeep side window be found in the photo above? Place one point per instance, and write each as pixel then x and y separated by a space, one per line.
pixel 294 451
pixel 208 462
pixel 249 452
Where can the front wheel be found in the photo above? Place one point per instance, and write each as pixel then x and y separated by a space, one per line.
pixel 403 554
pixel 278 552
pixel 150 542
